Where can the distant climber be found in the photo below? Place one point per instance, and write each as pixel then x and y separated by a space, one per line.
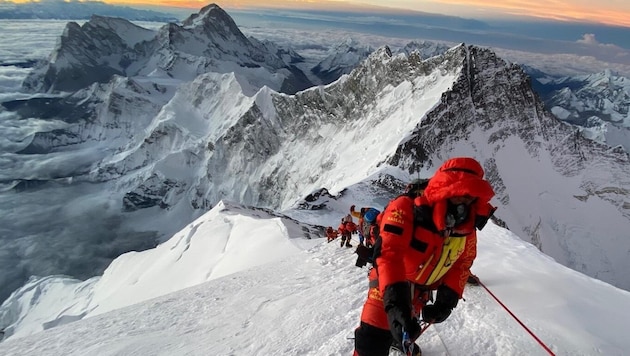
pixel 367 220
pixel 331 234
pixel 346 235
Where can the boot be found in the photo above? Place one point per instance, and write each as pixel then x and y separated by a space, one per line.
pixel 395 349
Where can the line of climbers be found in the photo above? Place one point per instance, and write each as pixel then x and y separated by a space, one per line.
pixel 424 241
pixel 367 229
pixel 371 225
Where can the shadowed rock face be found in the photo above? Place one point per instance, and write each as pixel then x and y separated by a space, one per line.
pixel 87 54
pixel 47 108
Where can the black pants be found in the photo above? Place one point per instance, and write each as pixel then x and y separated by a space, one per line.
pixel 372 341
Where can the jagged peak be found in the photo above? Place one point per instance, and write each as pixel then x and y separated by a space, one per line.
pixel 128 32
pixel 348 42
pixel 108 21
pixel 425 46
pixel 212 15
pixel 381 53
pixel 192 19
pixel 485 55
pixel 71 27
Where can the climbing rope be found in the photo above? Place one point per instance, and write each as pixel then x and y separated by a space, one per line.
pixel 517 319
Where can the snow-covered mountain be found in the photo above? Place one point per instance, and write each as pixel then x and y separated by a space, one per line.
pixel 426 49
pixel 208 41
pixel 598 103
pixel 345 56
pixel 246 281
pixel 157 151
pixel 342 58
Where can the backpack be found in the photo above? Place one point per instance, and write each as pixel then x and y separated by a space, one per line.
pixel 370 215
pixel 350 226
pixel 369 222
pixel 370 230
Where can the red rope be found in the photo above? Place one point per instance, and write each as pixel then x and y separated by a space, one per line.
pixel 517 319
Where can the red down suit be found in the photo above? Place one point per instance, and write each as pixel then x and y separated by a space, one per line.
pixel 416 244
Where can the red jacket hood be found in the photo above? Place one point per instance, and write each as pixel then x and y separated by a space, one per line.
pixel 458 176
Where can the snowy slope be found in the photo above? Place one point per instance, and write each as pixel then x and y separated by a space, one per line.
pixel 306 300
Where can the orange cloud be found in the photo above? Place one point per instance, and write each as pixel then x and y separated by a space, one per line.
pixel 606 12
pixel 611 12
pixel 292 4
pixel 348 5
pixel 245 4
pixel 194 4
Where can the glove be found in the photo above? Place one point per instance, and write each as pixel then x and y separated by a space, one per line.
pixel 397 301
pixel 482 219
pixel 352 208
pixel 439 311
pixel 434 313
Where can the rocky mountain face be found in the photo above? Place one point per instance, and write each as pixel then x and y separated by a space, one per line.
pixel 494 110
pixel 347 55
pixel 94 52
pixel 426 49
pixel 182 123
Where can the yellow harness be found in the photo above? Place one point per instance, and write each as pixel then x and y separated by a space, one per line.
pixel 452 248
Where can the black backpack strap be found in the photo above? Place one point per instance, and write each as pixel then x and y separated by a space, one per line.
pixel 423 217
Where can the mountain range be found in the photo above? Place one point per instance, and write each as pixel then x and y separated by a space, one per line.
pixel 74 10
pixel 156 128
pixel 598 103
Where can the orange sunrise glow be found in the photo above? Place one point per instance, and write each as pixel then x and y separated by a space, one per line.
pixel 607 12
pixel 610 12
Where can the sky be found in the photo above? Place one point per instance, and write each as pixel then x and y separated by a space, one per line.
pixel 609 12
pixel 238 281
